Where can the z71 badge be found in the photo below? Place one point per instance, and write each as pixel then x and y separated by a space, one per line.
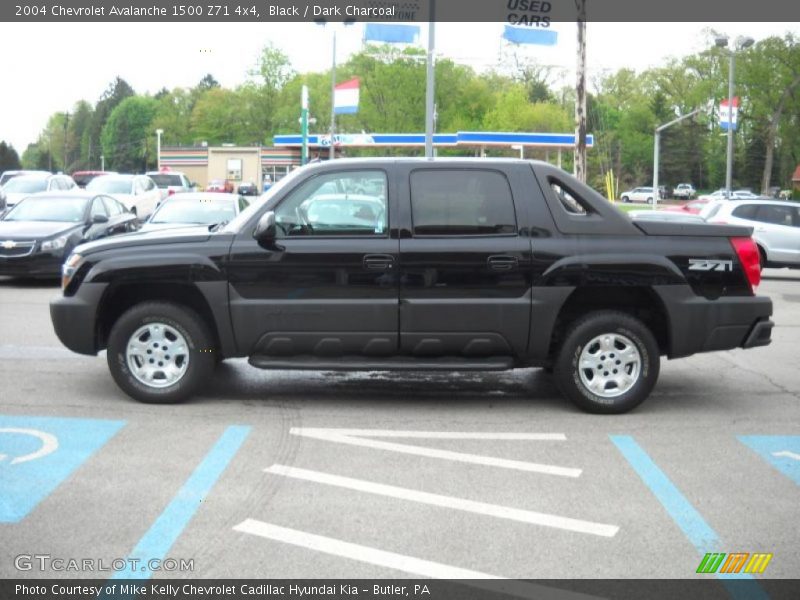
pixel 704 264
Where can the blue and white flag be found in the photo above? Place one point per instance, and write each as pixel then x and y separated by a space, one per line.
pixel 391 34
pixel 530 35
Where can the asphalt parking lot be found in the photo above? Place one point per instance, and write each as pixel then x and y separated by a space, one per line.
pixel 316 474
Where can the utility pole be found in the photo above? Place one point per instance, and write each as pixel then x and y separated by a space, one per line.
pixel 430 82
pixel 333 98
pixel 66 123
pixel 580 95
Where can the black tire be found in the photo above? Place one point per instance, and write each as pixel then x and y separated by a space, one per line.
pixel 649 200
pixel 582 332
pixel 626 199
pixel 762 258
pixel 200 353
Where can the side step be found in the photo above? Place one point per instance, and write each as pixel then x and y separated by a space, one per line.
pixel 376 363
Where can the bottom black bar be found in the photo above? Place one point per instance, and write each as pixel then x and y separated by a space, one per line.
pixel 703 588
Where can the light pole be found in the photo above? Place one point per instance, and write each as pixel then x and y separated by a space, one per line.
pixel 657 147
pixel 304 124
pixel 158 148
pixel 333 84
pixel 430 81
pixel 740 44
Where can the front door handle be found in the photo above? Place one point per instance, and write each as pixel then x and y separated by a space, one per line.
pixel 502 262
pixel 378 262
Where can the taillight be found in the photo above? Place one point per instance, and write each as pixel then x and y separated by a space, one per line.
pixel 170 192
pixel 747 251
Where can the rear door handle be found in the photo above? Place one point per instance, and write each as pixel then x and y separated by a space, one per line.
pixel 503 263
pixel 378 262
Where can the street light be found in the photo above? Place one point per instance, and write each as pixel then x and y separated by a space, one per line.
pixel 323 22
pixel 158 148
pixel 741 43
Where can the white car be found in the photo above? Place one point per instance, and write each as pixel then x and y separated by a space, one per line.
pixel 775 223
pixel 138 193
pixel 22 186
pixel 639 194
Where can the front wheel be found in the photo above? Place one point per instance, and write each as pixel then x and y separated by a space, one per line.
pixel 608 363
pixel 160 353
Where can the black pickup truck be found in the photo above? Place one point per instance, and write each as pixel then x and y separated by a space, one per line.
pixel 455 265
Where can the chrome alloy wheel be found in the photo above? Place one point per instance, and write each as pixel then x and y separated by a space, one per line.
pixel 610 365
pixel 157 355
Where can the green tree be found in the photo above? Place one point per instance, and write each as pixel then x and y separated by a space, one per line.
pixel 117 91
pixel 125 135
pixel 9 159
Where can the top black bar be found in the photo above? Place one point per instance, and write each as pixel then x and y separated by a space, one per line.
pixel 535 13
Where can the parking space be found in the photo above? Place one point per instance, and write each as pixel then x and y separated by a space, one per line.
pixel 284 474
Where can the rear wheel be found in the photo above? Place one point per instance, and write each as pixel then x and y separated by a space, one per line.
pixel 160 352
pixel 626 199
pixel 608 363
pixel 762 258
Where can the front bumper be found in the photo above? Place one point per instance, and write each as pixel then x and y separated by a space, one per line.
pixel 75 318
pixel 37 264
pixel 697 324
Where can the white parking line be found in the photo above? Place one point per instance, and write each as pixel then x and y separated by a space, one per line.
pixel 355 437
pixel 398 562
pixel 434 435
pixel 492 510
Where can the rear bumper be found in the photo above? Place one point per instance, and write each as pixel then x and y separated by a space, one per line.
pixel 697 324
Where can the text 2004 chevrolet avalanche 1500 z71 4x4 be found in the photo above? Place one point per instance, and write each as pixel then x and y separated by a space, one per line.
pixel 373 264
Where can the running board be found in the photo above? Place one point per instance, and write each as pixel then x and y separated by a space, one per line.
pixel 396 363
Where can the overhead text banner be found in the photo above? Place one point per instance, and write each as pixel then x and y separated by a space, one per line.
pixel 533 13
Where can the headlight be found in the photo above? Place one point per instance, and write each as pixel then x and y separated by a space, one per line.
pixel 68 269
pixel 56 244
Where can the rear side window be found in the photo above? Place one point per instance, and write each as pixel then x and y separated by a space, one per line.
pixel 461 202
pixel 777 214
pixel 747 211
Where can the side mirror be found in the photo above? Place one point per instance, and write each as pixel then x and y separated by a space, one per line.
pixel 99 219
pixel 266 230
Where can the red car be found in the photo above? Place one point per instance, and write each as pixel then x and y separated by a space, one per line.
pixel 220 185
pixel 692 207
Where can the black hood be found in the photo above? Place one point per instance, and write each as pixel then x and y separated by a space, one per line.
pixel 35 230
pixel 148 238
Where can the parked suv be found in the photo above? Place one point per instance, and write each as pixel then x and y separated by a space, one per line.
pixel 171 182
pixel 450 265
pixel 776 227
pixel 639 194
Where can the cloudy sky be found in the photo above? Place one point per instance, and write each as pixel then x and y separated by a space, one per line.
pixel 50 66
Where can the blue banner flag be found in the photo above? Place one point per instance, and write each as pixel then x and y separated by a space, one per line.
pixel 530 35
pixel 392 34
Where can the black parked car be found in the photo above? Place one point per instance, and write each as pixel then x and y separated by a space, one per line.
pixel 248 189
pixel 37 234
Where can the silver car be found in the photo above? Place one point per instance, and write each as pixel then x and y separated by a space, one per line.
pixel 776 227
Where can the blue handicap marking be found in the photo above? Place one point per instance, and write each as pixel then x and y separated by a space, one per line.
pixel 38 453
pixel 781 451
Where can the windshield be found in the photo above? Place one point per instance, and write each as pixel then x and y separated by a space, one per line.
pixel 200 211
pixel 110 186
pixel 66 210
pixel 26 185
pixel 163 180
pixel 6 177
pixel 236 224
